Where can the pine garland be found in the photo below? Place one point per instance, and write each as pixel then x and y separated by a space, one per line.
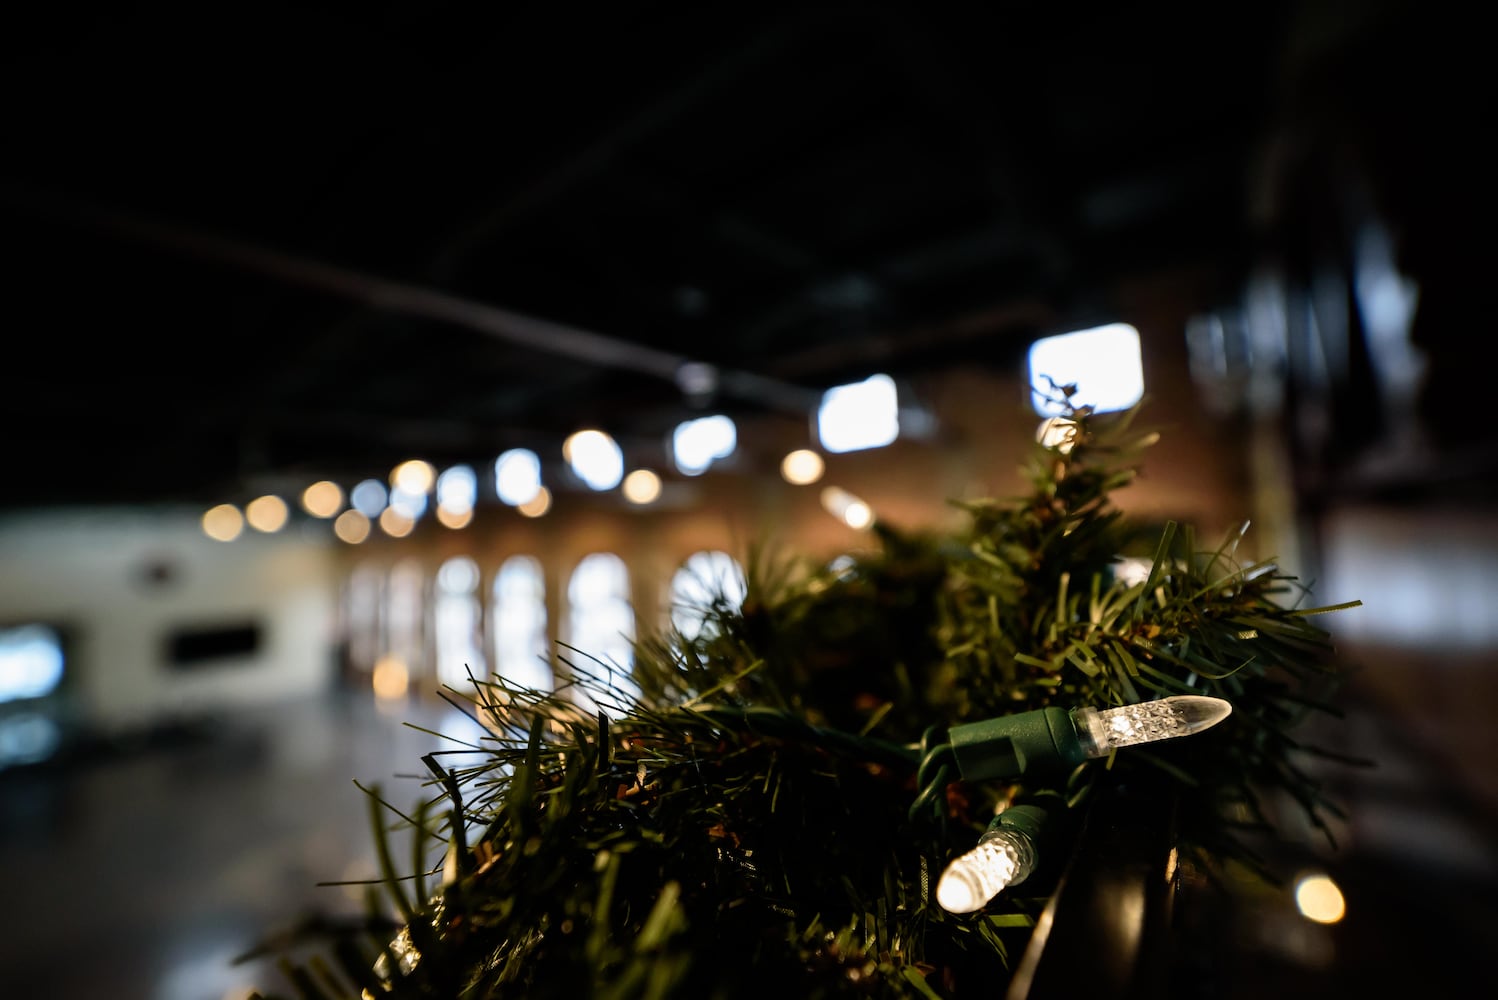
pixel 765 806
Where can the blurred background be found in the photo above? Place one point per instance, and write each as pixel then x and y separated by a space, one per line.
pixel 356 346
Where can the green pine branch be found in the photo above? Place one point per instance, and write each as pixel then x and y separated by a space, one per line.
pixel 770 809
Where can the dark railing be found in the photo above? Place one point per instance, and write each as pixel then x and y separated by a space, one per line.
pixel 1106 930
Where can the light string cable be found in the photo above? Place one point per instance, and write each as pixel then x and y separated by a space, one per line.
pixel 780 725
pixel 936 769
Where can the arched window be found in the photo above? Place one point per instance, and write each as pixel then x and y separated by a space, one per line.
pixel 708 579
pixel 362 626
pixel 517 619
pixel 458 625
pixel 405 616
pixel 601 620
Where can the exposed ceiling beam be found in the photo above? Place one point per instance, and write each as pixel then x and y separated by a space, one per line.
pixel 597 155
pixel 530 332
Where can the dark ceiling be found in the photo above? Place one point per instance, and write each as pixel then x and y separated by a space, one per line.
pixel 308 238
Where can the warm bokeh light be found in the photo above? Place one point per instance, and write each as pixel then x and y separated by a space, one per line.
pixel 390 678
pixel 1319 898
pixel 846 507
pixel 352 527
pixel 1058 433
pixel 1132 570
pixel 642 486
pixel 802 467
pixel 413 476
pixel 267 513
pixel 454 519
pixel 322 499
pixel 858 515
pixel 395 524
pixel 536 505
pixel 223 523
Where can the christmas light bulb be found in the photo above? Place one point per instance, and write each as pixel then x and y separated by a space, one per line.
pixel 1105 730
pixel 1051 739
pixel 1003 857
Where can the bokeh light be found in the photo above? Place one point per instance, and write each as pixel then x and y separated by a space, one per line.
pixel 267 513
pixel 802 467
pixel 413 476
pixel 352 527
pixel 536 505
pixel 595 458
pixel 396 524
pixel 322 499
pixel 223 523
pixel 1320 899
pixel 642 486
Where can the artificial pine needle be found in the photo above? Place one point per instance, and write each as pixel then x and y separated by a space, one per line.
pixel 726 818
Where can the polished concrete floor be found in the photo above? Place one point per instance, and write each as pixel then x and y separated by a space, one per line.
pixel 140 874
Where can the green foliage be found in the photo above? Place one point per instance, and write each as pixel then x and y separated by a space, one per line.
pixel 761 814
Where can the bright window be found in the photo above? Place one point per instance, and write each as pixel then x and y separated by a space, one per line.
pixel 458 489
pixel 860 415
pixel 517 476
pixel 31 662
pixel 595 458
pixel 707 580
pixel 697 444
pixel 518 621
pixel 1102 362
pixel 405 615
pixel 458 625
pixel 601 620
pixel 363 608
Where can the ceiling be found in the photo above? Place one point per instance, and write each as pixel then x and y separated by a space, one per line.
pixel 306 239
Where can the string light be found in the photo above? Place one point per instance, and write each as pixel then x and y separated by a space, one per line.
pixel 1108 729
pixel 351 526
pixel 801 467
pixel 322 499
pixel 268 513
pixel 1049 739
pixel 223 523
pixel 1005 856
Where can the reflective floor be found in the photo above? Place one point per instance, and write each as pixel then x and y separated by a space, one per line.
pixel 1415 856
pixel 140 875
pixel 143 874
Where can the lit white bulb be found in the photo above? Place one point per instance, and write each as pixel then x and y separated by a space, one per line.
pixel 1105 730
pixel 1004 857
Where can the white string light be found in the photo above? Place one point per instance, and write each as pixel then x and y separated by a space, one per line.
pixel 1104 730
pixel 1051 739
pixel 1004 856
pixel 1027 743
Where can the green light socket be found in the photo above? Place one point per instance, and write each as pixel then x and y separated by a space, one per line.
pixel 1015 746
pixel 1030 820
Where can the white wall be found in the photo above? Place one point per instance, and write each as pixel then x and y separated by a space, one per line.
pixel 125 580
